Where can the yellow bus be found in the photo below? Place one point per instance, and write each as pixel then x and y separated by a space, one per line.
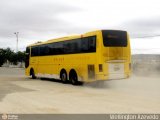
pixel 93 56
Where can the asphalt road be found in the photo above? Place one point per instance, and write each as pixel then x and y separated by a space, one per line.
pixel 21 94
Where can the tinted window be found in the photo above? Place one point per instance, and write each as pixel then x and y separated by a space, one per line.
pixel 92 44
pixel 72 46
pixel 81 45
pixel 41 50
pixel 85 44
pixel 58 48
pixel 46 50
pixel 51 49
pixel 27 57
pixel 34 51
pixel 114 38
pixel 89 44
pixel 28 50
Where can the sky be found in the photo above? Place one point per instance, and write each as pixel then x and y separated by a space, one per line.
pixel 40 20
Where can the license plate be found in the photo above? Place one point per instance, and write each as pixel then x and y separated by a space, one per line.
pixel 116 68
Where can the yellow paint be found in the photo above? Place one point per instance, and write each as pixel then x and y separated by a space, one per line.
pixel 79 62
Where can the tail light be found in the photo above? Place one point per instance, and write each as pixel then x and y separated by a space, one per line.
pixel 129 66
pixel 100 68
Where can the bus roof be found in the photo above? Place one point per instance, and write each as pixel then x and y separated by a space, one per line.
pixel 64 38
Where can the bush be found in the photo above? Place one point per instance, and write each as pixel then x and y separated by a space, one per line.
pixel 11 56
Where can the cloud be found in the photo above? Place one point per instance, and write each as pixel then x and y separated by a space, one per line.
pixel 37 20
pixel 33 19
pixel 30 17
pixel 142 27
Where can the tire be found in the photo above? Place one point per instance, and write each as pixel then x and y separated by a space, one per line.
pixel 74 78
pixel 33 74
pixel 64 77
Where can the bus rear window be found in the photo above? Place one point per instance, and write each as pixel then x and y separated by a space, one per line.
pixel 114 38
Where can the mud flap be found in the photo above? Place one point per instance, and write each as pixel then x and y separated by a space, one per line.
pixel 91 72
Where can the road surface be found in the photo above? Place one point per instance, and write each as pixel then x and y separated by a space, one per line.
pixel 21 94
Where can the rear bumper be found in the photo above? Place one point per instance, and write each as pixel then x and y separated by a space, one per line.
pixel 104 77
pixel 112 76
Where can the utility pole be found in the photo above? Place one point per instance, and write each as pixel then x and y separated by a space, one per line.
pixel 16 33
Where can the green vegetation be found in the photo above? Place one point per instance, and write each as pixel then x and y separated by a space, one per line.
pixel 11 56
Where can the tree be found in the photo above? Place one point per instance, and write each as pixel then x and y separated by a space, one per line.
pixel 21 56
pixel 2 57
pixel 11 56
pixel 8 54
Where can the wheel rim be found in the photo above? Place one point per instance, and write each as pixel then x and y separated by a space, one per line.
pixel 64 77
pixel 33 75
pixel 74 79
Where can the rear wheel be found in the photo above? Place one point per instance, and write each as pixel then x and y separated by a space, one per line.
pixel 33 74
pixel 64 77
pixel 74 78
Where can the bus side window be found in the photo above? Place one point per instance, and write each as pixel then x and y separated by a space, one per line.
pixel 67 47
pixel 92 44
pixel 77 46
pixel 58 48
pixel 84 44
pixel 42 50
pixel 46 50
pixel 52 48
pixel 28 50
pixel 34 51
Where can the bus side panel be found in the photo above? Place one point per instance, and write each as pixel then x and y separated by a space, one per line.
pixel 47 66
pixel 34 64
pixel 77 62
